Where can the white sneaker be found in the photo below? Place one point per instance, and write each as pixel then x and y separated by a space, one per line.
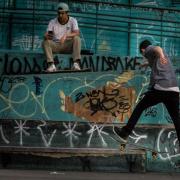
pixel 51 68
pixel 76 66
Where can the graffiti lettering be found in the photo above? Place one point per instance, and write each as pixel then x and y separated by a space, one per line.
pixel 18 65
pixel 124 106
pixel 110 63
pixel 103 100
pixel 152 111
pixel 89 7
pixel 44 134
pixel 37 82
pixel 25 65
pixel 3 136
pixel 6 83
pixel 168 118
pixel 79 96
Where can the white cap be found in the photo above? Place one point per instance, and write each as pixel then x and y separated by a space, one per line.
pixel 63 7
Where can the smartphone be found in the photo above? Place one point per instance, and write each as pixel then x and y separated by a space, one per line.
pixel 50 32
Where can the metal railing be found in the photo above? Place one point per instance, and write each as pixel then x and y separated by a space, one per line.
pixel 104 26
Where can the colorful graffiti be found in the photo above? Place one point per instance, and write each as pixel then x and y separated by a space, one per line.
pixel 103 104
pixel 91 96
pixel 79 110
pixel 51 134
pixel 29 64
pixel 67 110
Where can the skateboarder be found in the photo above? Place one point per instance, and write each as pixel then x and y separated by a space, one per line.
pixel 62 36
pixel 163 88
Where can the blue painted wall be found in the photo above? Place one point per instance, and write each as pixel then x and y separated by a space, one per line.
pixel 108 27
pixel 73 109
pixel 109 92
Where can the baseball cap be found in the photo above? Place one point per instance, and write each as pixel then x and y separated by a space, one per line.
pixel 63 7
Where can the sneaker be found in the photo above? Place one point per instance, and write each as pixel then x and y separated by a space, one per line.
pixel 123 136
pixel 51 68
pixel 76 66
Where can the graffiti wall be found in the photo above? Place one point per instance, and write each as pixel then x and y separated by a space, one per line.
pixel 74 135
pixel 79 110
pixel 108 94
pixel 106 26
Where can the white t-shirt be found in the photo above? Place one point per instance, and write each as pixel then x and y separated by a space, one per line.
pixel 158 87
pixel 59 30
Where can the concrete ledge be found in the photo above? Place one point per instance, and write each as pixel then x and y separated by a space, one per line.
pixel 83 51
pixel 86 159
pixel 58 152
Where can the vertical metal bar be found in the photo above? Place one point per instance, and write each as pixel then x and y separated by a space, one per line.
pixel 161 26
pixel 129 31
pixel 14 4
pixel 2 20
pixel 97 6
pixel 10 32
pixel 10 23
pixel 33 26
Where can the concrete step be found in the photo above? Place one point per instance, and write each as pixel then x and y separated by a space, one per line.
pixel 86 159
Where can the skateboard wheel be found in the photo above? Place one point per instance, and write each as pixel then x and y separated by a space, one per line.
pixel 154 155
pixel 122 147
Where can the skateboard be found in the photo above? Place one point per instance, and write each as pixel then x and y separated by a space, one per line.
pixel 67 71
pixel 123 147
pixel 154 152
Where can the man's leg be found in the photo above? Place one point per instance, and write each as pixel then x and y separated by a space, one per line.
pixel 74 46
pixel 76 52
pixel 150 98
pixel 172 104
pixel 49 48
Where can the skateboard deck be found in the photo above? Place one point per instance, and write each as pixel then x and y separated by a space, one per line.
pixel 67 71
pixel 123 147
pixel 154 152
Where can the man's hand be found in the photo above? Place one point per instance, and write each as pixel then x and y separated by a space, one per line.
pixel 48 36
pixel 144 65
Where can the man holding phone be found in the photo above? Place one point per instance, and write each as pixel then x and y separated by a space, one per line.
pixel 62 36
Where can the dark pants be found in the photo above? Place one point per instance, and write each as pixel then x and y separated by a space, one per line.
pixel 169 98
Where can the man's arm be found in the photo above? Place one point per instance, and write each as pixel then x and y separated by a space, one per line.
pixel 69 36
pixel 158 50
pixel 144 65
pixel 74 33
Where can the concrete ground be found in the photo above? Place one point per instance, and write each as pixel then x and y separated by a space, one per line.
pixel 66 175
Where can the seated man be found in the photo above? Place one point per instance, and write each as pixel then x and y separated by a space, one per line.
pixel 62 36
